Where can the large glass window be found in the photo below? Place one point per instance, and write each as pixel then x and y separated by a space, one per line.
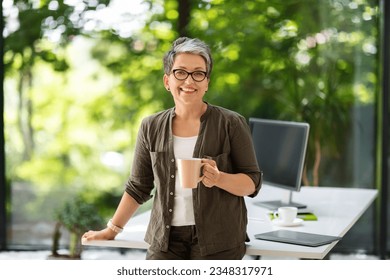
pixel 78 82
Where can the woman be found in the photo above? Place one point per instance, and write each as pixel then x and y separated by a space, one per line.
pixel 208 222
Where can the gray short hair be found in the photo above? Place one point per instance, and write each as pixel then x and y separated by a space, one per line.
pixel 188 45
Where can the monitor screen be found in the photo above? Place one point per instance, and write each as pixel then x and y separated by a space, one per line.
pixel 280 148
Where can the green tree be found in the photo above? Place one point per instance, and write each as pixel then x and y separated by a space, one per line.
pixel 29 43
pixel 293 60
pixel 78 102
pixel 273 59
pixel 289 60
pixel 39 149
pixel 77 217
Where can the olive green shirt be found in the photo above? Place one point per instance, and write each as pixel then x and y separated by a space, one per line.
pixel 220 217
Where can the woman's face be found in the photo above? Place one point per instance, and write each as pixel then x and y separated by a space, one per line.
pixel 187 91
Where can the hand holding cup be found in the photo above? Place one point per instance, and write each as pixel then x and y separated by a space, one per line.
pixel 211 173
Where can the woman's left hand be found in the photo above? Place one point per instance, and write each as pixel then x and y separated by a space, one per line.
pixel 211 173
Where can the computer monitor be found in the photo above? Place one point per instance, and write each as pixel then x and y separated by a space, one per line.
pixel 280 148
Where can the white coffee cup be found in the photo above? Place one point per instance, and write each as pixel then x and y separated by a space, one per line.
pixel 286 214
pixel 189 171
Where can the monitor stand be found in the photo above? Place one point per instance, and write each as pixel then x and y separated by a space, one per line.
pixel 275 204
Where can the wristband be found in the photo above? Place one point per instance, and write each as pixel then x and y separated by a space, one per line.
pixel 113 227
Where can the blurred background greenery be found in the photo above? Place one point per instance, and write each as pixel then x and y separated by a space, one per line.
pixel 80 75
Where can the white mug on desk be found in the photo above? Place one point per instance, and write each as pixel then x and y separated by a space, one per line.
pixel 286 214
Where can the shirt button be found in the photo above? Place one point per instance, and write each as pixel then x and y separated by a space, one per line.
pixel 171 193
pixel 170 210
pixel 167 226
pixel 173 160
pixel 172 176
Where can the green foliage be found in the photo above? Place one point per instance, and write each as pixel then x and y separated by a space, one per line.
pixel 288 60
pixel 293 60
pixel 77 216
pixel 37 21
pixel 71 102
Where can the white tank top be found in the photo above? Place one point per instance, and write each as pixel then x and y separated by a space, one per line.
pixel 183 209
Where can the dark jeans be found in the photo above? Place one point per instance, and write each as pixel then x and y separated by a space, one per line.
pixel 183 245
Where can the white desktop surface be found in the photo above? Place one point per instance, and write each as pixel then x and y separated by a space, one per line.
pixel 337 210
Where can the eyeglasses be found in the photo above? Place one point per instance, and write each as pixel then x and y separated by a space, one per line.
pixel 181 75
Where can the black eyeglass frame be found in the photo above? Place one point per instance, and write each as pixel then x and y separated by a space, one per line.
pixel 188 74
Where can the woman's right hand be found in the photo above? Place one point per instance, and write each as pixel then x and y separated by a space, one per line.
pixel 104 234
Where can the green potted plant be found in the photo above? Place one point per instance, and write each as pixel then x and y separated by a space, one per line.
pixel 76 216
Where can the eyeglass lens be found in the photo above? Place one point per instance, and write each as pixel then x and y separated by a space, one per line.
pixel 181 75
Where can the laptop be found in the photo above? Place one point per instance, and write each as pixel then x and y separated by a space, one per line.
pixel 297 237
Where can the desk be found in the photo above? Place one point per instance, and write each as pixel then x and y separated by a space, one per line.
pixel 337 210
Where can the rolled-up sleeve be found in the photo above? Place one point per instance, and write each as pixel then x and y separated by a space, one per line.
pixel 140 183
pixel 243 154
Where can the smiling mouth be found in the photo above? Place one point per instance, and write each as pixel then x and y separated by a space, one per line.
pixel 187 90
